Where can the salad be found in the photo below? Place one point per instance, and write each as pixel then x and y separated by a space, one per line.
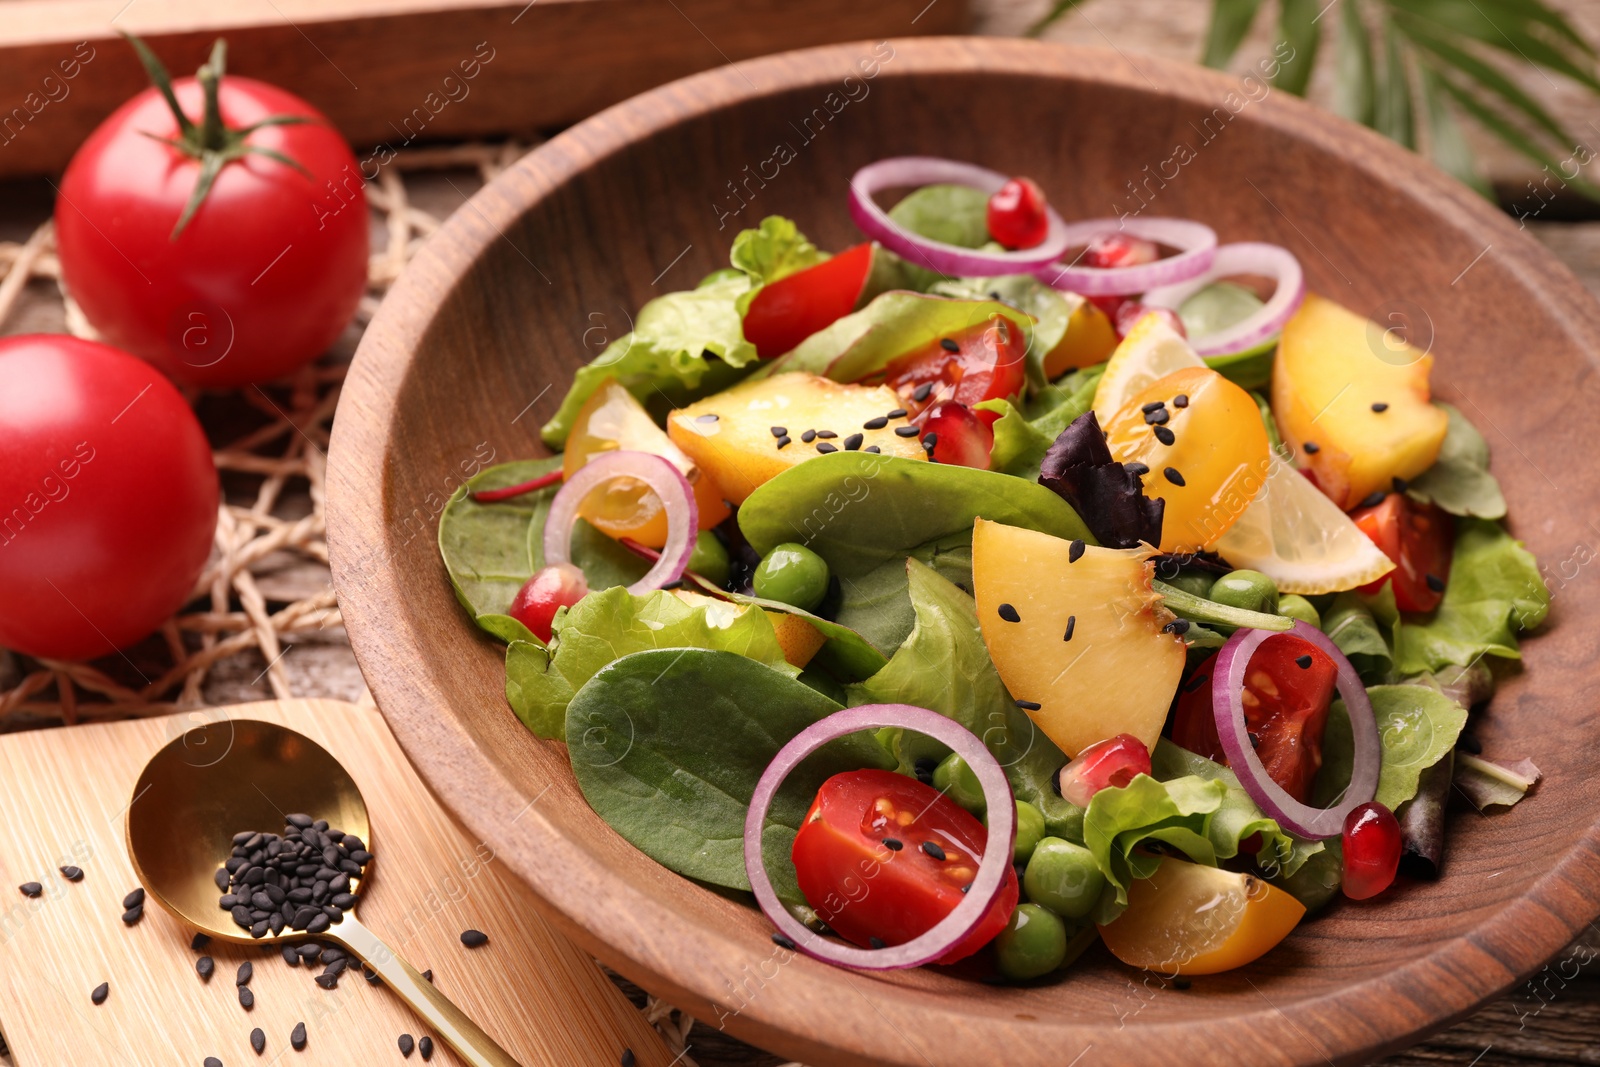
pixel 1002 584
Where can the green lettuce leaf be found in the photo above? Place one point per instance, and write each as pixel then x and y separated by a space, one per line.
pixel 944 665
pixel 683 345
pixel 1459 481
pixel 1489 784
pixel 1020 441
pixel 772 251
pixel 1239 817
pixel 1417 726
pixel 1495 592
pixel 1352 625
pixel 606 625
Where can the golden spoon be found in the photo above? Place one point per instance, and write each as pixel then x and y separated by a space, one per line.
pixel 215 781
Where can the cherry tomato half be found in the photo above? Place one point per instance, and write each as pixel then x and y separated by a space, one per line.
pixel 982 362
pixel 263 278
pixel 1288 687
pixel 108 497
pixel 791 309
pixel 883 856
pixel 959 435
pixel 1419 538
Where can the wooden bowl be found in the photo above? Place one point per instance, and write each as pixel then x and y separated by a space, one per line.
pixel 475 345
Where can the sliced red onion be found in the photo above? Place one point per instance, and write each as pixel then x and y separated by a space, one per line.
pixel 947 932
pixel 1227 701
pixel 902 172
pixel 1249 257
pixel 1196 243
pixel 662 478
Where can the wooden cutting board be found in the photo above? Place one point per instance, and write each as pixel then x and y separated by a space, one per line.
pixel 63 794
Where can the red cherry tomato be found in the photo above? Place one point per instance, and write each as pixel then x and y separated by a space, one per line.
pixel 108 497
pixel 791 309
pixel 266 274
pixel 982 362
pixel 1372 843
pixel 1419 538
pixel 959 436
pixel 560 585
pixel 888 832
pixel 1108 764
pixel 1288 687
pixel 1017 215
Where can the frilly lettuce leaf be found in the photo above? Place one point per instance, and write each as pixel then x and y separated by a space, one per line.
pixel 1360 625
pixel 1488 783
pixel 607 625
pixel 772 251
pixel 1021 441
pixel 1459 480
pixel 1417 726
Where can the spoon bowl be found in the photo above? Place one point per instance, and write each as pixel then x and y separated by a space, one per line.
pixel 224 777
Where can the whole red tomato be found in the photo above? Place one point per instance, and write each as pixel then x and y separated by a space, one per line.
pixel 266 273
pixel 108 497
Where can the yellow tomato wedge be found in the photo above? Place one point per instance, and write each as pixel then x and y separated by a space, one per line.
pixel 1191 919
pixel 613 420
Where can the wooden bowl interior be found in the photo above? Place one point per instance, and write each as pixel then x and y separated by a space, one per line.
pixel 476 346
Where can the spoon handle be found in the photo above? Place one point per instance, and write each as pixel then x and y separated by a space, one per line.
pixel 447 1020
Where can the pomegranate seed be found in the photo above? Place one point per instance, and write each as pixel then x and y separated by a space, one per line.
pixel 1017 215
pixel 960 436
pixel 1120 250
pixel 1108 764
pixel 1132 311
pixel 1109 305
pixel 1371 850
pixel 558 586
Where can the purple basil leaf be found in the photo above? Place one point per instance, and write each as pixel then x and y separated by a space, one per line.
pixel 1106 495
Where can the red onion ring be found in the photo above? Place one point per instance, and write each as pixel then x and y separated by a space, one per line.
pixel 662 478
pixel 947 932
pixel 1249 257
pixel 1197 244
pixel 1227 703
pixel 916 171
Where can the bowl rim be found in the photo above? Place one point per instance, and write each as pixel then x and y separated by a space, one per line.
pixel 1379 1013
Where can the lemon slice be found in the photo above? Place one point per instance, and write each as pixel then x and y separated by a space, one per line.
pixel 1189 919
pixel 1151 351
pixel 1300 539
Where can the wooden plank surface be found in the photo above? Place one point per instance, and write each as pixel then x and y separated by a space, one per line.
pixel 399 72
pixel 542 998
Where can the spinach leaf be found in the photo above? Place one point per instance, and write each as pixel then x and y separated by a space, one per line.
pixel 606 625
pixel 845 653
pixel 683 345
pixel 1250 369
pixel 1459 480
pixel 944 665
pixel 668 745
pixel 485 546
pixel 769 253
pixel 955 214
pixel 1494 592
pixel 1019 445
pixel 894 324
pixel 1417 726
pixel 878 604
pixel 1216 307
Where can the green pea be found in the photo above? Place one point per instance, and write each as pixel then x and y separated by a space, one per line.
pixel 1298 607
pixel 1030 831
pixel 1033 943
pixel 1250 590
pixel 710 558
pixel 792 574
pixel 955 779
pixel 1063 877
pixel 1195 582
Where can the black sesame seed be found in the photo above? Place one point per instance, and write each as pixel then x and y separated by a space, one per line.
pixel 1158 417
pixel 1075 550
pixel 428 974
pixel 31 889
pixel 1028 705
pixel 932 849
pixel 221 877
pixel 906 431
pixel 897 413
pixel 1196 682
pixel 290 956
pixel 1311 448
pixel 1171 474
pixel 874 449
pixel 1154 405
pixel 1373 499
pixel 1434 582
pixel 133 915
pixel 948 345
pixel 1380 407
pixel 258 1040
pixel 310 952
pixel 966 888
pixel 783 942
pixel 707 417
pixel 474 938
pixel 809 436
pixel 1399 484
pixel 204 966
pixel 1176 626
pixel 853 442
pixel 1136 468
pixel 1009 613
pixel 876 424
pixel 371 976
pixel 247 999
pixel 297 1036
pixel 1072 624
pixel 1181 400
pixel 1164 435
pixel 825 448
pixel 1255 741
pixel 826 435
pixel 783 442
pixel 627 1059
pixel 407 1045
pixel 780 431
pixel 100 993
pixel 1303 662
pixel 921 392
pixel 72 874
pixel 875 942
pixel 247 971
pixel 930 441
pixel 327 981
pixel 892 844
pixel 134 899
pixel 425 1048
